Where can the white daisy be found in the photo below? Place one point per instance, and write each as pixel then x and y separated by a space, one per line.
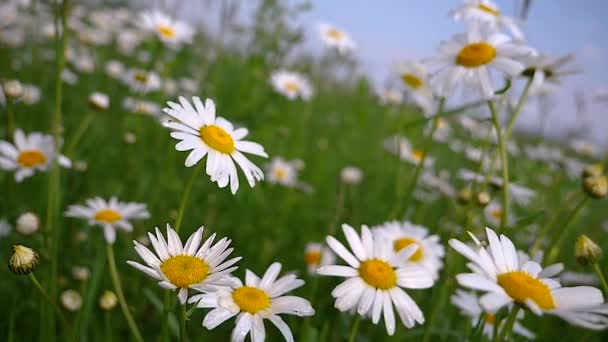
pixel 284 172
pixel 402 234
pixel 192 265
pixel 497 271
pixel 546 69
pixel 493 214
pixel 335 38
pixel 401 147
pixel 291 84
pixel 170 31
pixel 141 81
pixel 205 134
pixel 485 11
pixel 31 153
pixel 470 58
pixel 110 215
pixel 254 301
pixel 468 304
pixel 415 78
pixel 376 276
pixel 5 228
pixel 315 255
pixel 390 96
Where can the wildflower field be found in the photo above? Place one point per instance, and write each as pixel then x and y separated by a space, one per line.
pixel 161 182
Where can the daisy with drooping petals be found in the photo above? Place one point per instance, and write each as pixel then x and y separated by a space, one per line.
pixel 401 147
pixel 415 76
pixel 170 31
pixel 336 38
pixel 545 69
pixel 315 255
pixel 376 276
pixel 497 271
pixel 291 84
pixel 215 137
pixel 468 304
pixel 254 301
pixel 110 215
pixel 402 234
pixel 486 12
pixel 31 153
pixel 141 81
pixel 470 58
pixel 180 267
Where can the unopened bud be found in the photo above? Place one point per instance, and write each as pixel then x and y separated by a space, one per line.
pixel 99 101
pixel 586 251
pixel 464 196
pixel 594 170
pixel 108 300
pixel 596 187
pixel 482 199
pixel 23 261
pixel 13 89
pixel 28 223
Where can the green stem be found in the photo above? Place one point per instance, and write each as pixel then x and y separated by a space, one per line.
pixel 502 149
pixel 547 227
pixel 517 109
pixel 82 128
pixel 120 295
pixel 53 304
pixel 10 119
pixel 186 196
pixel 354 329
pixel 600 275
pixel 443 293
pixel 108 326
pixel 183 334
pixel 559 238
pixel 505 334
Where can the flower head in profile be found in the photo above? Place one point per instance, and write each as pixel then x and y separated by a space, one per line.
pixel 252 302
pixel 493 213
pixel 170 31
pixel 142 81
pixel 316 255
pixel 543 69
pixel 110 215
pixel 30 153
pixel 402 147
pixel 291 85
pixel 189 266
pixel 470 58
pixel 376 276
pixel 414 76
pixel 334 37
pixel 496 270
pixel 204 134
pixel 486 12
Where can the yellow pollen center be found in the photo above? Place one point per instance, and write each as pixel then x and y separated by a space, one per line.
pixel 412 81
pixel 497 214
pixel 404 242
pixel 166 31
pixel 107 215
pixel 292 87
pixel 475 55
pixel 490 319
pixel 521 286
pixel 184 270
pixel 312 258
pixel 489 9
pixel 31 158
pixel 217 138
pixel 280 173
pixel 251 299
pixel 378 274
pixel 141 77
pixel 335 34
pixel 417 155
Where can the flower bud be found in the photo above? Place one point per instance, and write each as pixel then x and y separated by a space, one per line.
pixel 108 300
pixel 28 223
pixel 13 89
pixel 594 170
pixel 71 300
pixel 482 199
pixel 99 101
pixel 351 175
pixel 586 251
pixel 464 196
pixel 80 273
pixel 23 261
pixel 596 187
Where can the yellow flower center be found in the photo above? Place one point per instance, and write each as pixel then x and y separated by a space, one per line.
pixel 412 81
pixel 292 87
pixel 184 270
pixel 141 77
pixel 312 257
pixel 490 319
pixel 378 274
pixel 497 214
pixel 335 34
pixel 31 158
pixel 166 31
pixel 521 286
pixel 217 138
pixel 251 299
pixel 489 9
pixel 417 155
pixel 404 242
pixel 107 215
pixel 280 173
pixel 475 55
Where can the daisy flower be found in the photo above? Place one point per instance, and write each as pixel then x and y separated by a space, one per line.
pixel 170 31
pixel 189 266
pixel 335 38
pixel 30 153
pixel 315 255
pixel 402 234
pixel 468 304
pixel 497 271
pixel 486 12
pixel 254 301
pixel 415 78
pixel 470 58
pixel 390 96
pixel 110 215
pixel 375 278
pixel 284 172
pixel 401 147
pixel 291 84
pixel 141 81
pixel 493 214
pixel 205 134
pixel 546 69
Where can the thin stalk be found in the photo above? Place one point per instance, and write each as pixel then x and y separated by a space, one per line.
pixel 600 275
pixel 443 293
pixel 547 227
pixel 53 304
pixel 505 334
pixel 82 128
pixel 108 326
pixel 517 109
pixel 185 197
pixel 354 329
pixel 339 208
pixel 10 119
pixel 558 239
pixel 183 334
pixel 121 297
pixel 502 149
